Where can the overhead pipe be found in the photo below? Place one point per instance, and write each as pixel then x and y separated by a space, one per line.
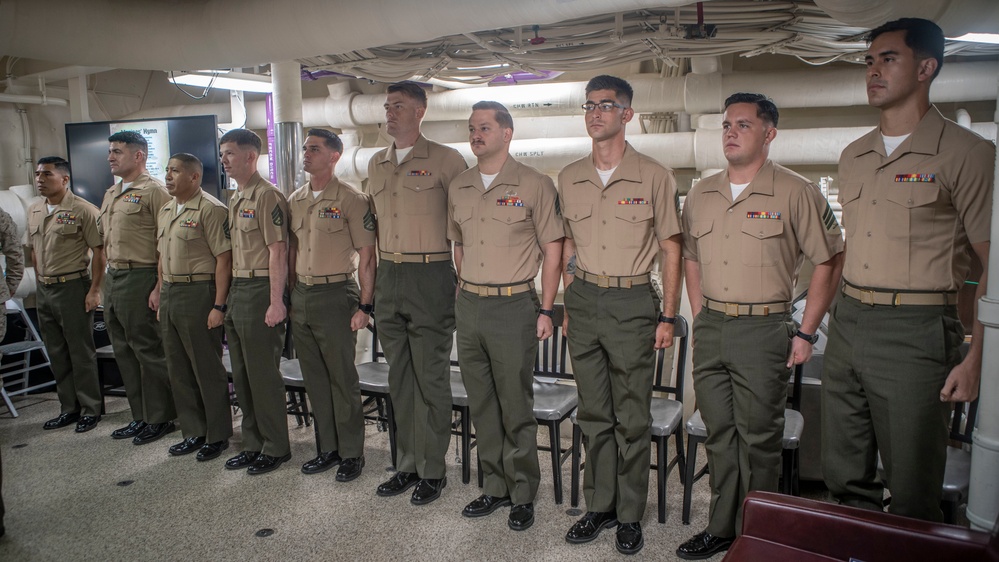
pixel 288 138
pixel 955 17
pixel 33 100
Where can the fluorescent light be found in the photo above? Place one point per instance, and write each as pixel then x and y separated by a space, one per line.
pixel 991 38
pixel 223 80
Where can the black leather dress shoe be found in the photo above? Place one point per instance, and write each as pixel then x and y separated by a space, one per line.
pixel 322 463
pixel 703 545
pixel 129 431
pixel 242 460
pixel 187 446
pixel 428 490
pixel 266 463
pixel 484 505
pixel 62 421
pixel 629 538
pixel 152 432
pixel 521 516
pixel 212 450
pixel 399 483
pixel 349 469
pixel 590 525
pixel 86 423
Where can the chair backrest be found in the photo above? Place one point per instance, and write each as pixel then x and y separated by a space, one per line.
pixel 376 348
pixel 553 352
pixel 794 398
pixel 681 333
pixel 962 422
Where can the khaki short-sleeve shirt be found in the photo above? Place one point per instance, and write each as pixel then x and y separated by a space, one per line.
pixel 128 220
pixel 328 229
pixel 749 250
pixel 410 198
pixel 258 217
pixel 910 217
pixel 617 229
pixel 190 241
pixel 63 238
pixel 503 228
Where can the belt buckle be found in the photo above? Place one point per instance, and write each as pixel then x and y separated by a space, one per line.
pixel 308 280
pixel 62 278
pixel 732 309
pixel 626 283
pixel 426 258
pixel 396 257
pixel 482 291
pixel 867 297
pixel 603 281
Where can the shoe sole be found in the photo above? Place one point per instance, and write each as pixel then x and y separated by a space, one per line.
pixel 521 527
pixel 631 550
pixel 67 424
pixel 705 555
pixel 490 511
pixel 389 494
pixel 607 525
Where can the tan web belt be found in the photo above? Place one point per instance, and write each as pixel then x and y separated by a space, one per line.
pixel 323 279
pixel 497 290
pixel 192 278
pixel 612 282
pixel 249 273
pixel 396 257
pixel 52 280
pixel 738 309
pixel 874 297
pixel 130 265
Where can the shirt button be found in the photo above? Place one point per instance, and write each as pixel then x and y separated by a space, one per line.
pixel 482 242
pixel 603 247
pixel 866 266
pixel 603 197
pixel 725 262
pixel 726 236
pixel 482 265
pixel 868 234
pixel 482 220
pixel 910 201
pixel 603 222
pixel 730 210
pixel 394 194
pixel 396 236
pixel 726 289
pixel 395 214
pixel 875 202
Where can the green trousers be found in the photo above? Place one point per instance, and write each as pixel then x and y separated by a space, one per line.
pixel 320 317
pixel 612 335
pixel 414 315
pixel 497 346
pixel 138 347
pixel 740 379
pixel 194 360
pixel 68 332
pixel 881 380
pixel 255 351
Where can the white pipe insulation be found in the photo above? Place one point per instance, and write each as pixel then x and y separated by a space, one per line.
pixel 33 100
pixel 955 17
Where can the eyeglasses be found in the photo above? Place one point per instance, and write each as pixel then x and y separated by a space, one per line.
pixel 604 106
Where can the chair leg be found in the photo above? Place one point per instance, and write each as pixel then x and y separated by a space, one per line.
pixel 6 399
pixel 681 456
pixel 556 450
pixel 661 447
pixel 577 448
pixel 688 484
pixel 466 445
pixel 787 461
pixel 390 412
pixel 478 468
pixel 303 399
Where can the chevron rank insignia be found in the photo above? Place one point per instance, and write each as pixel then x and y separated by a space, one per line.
pixel 277 216
pixel 369 221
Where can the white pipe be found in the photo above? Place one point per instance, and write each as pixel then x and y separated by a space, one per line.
pixel 955 17
pixel 26 146
pixel 983 495
pixel 33 100
pixel 963 118
pixel 213 34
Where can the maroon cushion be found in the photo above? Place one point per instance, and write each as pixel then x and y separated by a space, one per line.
pixel 750 549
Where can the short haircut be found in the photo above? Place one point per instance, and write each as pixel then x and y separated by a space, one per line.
pixel 622 89
pixel 191 162
pixel 330 139
pixel 57 162
pixel 924 37
pixel 242 137
pixel 765 107
pixel 131 139
pixel 410 89
pixel 503 117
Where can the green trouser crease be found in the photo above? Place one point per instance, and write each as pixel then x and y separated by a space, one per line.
pixel 68 332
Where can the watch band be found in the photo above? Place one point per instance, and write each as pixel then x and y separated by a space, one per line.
pixel 368 309
pixel 220 307
pixel 810 338
pixel 547 312
pixel 667 319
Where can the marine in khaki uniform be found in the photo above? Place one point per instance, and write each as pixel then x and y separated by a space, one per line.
pixel 332 235
pixel 195 270
pixel 10 246
pixel 504 221
pixel 917 200
pixel 620 210
pixel 62 235
pixel 131 288
pixel 255 319
pixel 414 290
pixel 746 231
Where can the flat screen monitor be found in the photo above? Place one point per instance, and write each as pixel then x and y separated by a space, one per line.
pixel 87 145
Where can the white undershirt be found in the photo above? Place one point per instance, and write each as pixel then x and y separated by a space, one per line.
pixel 315 194
pixel 487 179
pixel 402 153
pixel 126 186
pixel 605 175
pixel 737 189
pixel 51 208
pixel 892 143
pixel 180 208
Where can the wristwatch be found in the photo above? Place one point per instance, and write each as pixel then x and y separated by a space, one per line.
pixel 547 312
pixel 667 319
pixel 221 307
pixel 810 338
pixel 368 309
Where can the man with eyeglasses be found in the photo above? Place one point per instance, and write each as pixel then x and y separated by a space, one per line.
pixel 620 210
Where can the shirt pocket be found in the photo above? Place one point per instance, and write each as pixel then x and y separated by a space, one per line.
pixel 508 225
pixel 297 223
pixel 634 225
pixel 700 231
pixel 761 242
pixel 329 226
pixel 419 193
pixel 911 203
pixel 849 199
pixel 189 234
pixel 68 229
pixel 580 219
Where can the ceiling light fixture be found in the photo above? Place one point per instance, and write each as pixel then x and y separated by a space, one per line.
pixel 991 38
pixel 224 80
